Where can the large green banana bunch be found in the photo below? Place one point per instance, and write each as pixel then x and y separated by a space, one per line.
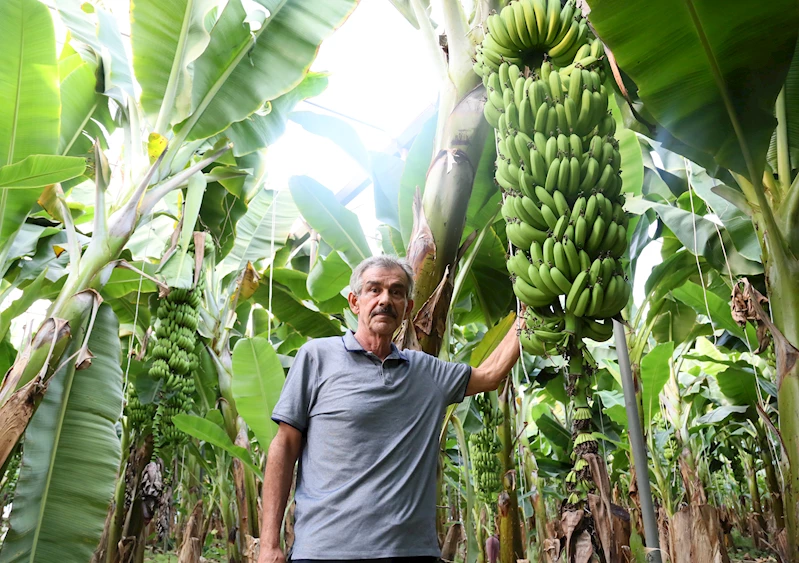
pixel 484 447
pixel 558 164
pixel 174 360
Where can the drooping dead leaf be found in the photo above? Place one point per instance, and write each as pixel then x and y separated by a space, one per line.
pixel 600 507
pixel 252 548
pixel 583 548
pixel 747 305
pixel 663 533
pixel 455 536
pixel 552 549
pixel 429 319
pixel 569 522
pixel 191 547
pixel 199 256
pixel 696 535
pixel 15 414
pixel 421 247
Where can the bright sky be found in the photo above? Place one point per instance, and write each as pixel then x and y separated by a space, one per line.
pixel 381 75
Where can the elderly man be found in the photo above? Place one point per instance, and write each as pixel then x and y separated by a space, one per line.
pixel 363 418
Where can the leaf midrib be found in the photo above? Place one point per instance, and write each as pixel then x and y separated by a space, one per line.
pixel 15 119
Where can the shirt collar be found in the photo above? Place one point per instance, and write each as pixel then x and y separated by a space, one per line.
pixel 351 344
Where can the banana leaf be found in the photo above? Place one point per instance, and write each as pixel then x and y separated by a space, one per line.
pixel 708 72
pixel 257 382
pixel 29 112
pixel 654 375
pixel 72 453
pixel 264 227
pixel 166 36
pixel 241 68
pixel 338 226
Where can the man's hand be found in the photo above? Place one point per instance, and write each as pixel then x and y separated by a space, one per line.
pixel 271 555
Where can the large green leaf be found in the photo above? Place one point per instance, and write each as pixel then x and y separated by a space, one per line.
pixel 695 62
pixel 674 322
pixel 386 173
pixel 240 70
pixel 38 170
pixel 485 198
pixel 328 277
pixel 338 226
pixel 30 107
pixel 699 235
pixel 701 301
pixel 263 228
pixel 79 102
pixel 632 163
pixel 739 384
pixel 487 280
pixel 338 131
pixel 211 433
pixel 29 113
pixel 166 35
pixel 491 340
pixel 654 375
pixel 262 128
pixel 414 175
pixel 737 223
pixel 290 310
pixel 257 382
pixel 71 458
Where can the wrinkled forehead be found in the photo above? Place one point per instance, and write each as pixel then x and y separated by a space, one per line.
pixel 384 277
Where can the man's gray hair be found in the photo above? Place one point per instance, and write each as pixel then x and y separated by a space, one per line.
pixel 386 261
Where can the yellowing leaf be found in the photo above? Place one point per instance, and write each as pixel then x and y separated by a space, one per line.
pixel 156 144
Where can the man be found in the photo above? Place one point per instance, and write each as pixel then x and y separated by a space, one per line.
pixel 363 418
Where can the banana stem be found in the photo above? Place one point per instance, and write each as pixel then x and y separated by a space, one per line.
pixel 783 154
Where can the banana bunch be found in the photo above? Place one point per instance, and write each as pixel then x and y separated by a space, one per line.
pixel 528 26
pixel 559 167
pixel 484 447
pixel 140 416
pixel 174 360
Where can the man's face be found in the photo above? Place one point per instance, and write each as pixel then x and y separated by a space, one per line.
pixel 383 303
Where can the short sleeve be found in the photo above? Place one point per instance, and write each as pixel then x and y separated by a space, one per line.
pixel 451 378
pixel 299 392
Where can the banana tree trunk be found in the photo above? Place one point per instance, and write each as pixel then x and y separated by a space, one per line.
pixel 510 537
pixel 775 491
pixel 781 274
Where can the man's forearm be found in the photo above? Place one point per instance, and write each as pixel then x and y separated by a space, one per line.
pixel 504 357
pixel 276 487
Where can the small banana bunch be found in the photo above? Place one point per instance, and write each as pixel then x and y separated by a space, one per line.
pixel 140 416
pixel 559 166
pixel 174 360
pixel 484 447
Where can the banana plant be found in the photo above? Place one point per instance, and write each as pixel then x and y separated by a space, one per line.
pixel 716 104
pixel 188 121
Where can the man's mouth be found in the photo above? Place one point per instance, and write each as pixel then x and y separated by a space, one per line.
pixel 386 313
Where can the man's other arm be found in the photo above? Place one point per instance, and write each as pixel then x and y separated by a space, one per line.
pixel 488 375
pixel 283 453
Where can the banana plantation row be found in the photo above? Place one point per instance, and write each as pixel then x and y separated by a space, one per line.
pixel 567 147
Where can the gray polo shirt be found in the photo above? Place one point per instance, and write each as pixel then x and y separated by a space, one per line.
pixel 366 482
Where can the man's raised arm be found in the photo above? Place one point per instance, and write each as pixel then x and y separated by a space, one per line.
pixel 488 375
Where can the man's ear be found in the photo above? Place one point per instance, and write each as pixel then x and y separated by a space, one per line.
pixel 353 301
pixel 409 309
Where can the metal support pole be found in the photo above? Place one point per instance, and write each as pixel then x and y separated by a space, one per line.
pixel 638 446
